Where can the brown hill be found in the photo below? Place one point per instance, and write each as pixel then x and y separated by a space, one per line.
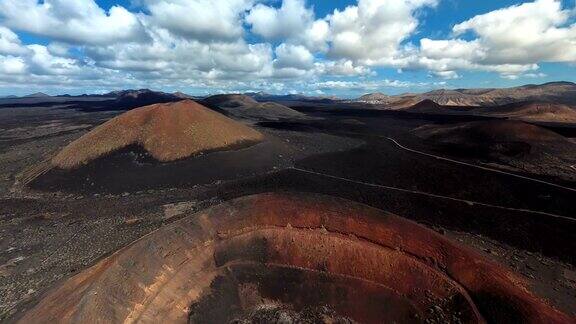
pixel 243 106
pixel 426 106
pixel 304 257
pixel 486 132
pixel 533 111
pixel 229 101
pixel 403 102
pixel 375 97
pixel 441 97
pixel 556 92
pixel 464 97
pixel 526 147
pixel 167 131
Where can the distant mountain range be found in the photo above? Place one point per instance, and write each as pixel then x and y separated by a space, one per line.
pixel 554 92
pixel 130 93
pixel 550 101
pixel 528 111
pixel 129 99
pixel 33 95
pixel 37 95
pixel 135 93
pixel 264 97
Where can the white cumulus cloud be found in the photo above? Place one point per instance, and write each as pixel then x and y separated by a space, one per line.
pixel 280 45
pixel 10 42
pixel 205 20
pixel 372 31
pixel 74 21
pixel 10 65
pixel 295 56
pixel 511 41
pixel 288 21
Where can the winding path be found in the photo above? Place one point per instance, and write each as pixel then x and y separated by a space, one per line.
pixel 475 166
pixel 395 142
pixel 468 202
pixel 427 194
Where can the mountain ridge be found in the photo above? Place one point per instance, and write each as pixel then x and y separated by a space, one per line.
pixel 559 92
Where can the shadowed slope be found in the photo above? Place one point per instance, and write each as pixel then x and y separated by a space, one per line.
pixel 230 101
pixel 243 106
pixel 167 131
pixel 302 255
pixel 486 132
pixel 427 106
pixel 524 146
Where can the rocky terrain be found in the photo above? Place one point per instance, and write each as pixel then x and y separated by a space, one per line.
pixel 452 236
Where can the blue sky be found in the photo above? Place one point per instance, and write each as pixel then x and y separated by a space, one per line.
pixel 339 47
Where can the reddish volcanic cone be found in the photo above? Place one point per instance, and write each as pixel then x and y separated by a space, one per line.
pixel 168 132
pixel 303 258
pixel 426 106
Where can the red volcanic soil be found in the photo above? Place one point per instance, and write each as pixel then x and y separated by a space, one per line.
pixel 168 132
pixel 534 111
pixel 295 256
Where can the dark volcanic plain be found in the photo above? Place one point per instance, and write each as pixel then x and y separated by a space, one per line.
pixel 56 223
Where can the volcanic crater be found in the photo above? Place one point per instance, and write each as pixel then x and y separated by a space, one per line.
pixel 302 257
